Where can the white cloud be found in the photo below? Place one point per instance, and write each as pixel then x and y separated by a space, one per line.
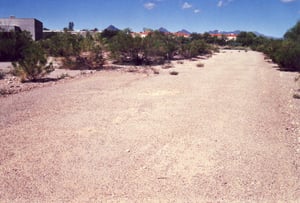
pixel 197 11
pixel 287 1
pixel 222 3
pixel 149 5
pixel 186 5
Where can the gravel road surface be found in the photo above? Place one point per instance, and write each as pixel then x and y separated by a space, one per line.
pixel 227 132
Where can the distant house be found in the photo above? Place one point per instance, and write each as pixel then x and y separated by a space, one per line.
pixel 231 36
pixel 183 33
pixel 228 37
pixel 34 26
pixel 144 34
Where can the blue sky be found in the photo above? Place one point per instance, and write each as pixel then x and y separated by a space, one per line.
pixel 270 17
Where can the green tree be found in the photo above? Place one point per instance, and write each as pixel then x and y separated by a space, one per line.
pixel 293 33
pixel 246 38
pixel 71 26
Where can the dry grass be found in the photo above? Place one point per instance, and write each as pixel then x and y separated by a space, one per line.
pixel 63 76
pixel 155 71
pixel 167 66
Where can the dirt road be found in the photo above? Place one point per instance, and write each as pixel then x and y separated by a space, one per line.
pixel 228 132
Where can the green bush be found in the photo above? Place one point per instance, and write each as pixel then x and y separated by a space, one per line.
pixel 285 52
pixel 32 66
pixel 12 43
pixel 63 45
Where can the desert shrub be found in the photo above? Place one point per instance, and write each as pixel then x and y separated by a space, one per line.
pixel 246 39
pixel 158 47
pixel 195 48
pixel 155 71
pixel 167 66
pixel 284 52
pixel 63 76
pixel 93 61
pixel 174 73
pixel 289 55
pixel 2 75
pixel 200 65
pixel 296 95
pixel 12 43
pixel 62 44
pixel 33 64
pixel 126 49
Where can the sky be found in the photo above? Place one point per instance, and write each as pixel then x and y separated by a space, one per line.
pixel 269 17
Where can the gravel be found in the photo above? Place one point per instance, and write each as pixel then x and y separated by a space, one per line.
pixel 227 132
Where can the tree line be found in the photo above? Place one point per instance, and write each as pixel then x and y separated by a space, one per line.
pixel 30 57
pixel 285 52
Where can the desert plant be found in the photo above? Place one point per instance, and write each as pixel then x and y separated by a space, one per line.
pixel 296 95
pixel 63 76
pixel 92 61
pixel 297 79
pixel 126 49
pixel 63 44
pixel 174 73
pixel 167 66
pixel 33 64
pixel 2 75
pixel 12 43
pixel 200 65
pixel 155 71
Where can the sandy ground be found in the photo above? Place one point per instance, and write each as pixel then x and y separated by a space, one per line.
pixel 228 132
pixel 4 66
pixel 11 84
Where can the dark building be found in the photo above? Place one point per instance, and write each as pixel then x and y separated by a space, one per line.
pixel 34 26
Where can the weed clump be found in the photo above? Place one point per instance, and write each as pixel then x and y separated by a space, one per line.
pixel 174 73
pixel 167 66
pixel 155 71
pixel 2 75
pixel 200 65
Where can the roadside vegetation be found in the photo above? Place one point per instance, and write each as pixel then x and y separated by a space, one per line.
pixel 87 51
pixel 285 52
